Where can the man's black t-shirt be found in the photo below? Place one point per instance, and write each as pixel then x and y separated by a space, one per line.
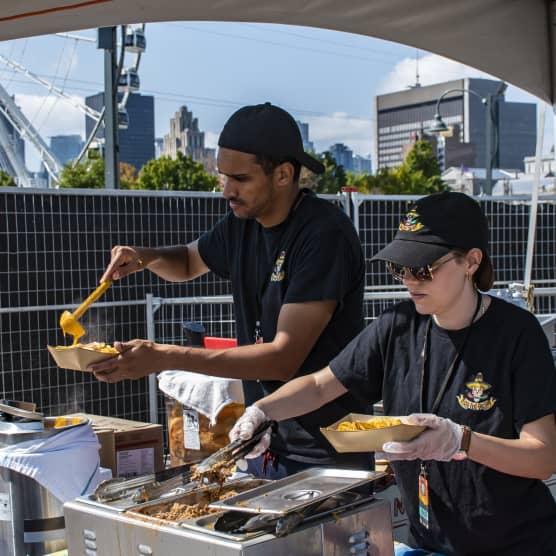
pixel 314 255
pixel 505 379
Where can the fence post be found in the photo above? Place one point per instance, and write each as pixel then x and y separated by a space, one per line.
pixel 153 386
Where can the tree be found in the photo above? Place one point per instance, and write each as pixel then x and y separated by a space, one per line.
pixel 422 158
pixel 330 181
pixel 418 175
pixel 128 176
pixel 6 179
pixel 181 174
pixel 88 174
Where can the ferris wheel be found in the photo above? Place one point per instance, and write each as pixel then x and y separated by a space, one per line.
pixel 15 126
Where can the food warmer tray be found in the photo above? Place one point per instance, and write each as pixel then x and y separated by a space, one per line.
pixel 297 491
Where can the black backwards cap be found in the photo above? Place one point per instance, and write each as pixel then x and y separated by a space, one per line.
pixel 265 129
pixel 436 225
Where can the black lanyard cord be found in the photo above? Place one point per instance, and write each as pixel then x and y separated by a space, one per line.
pixel 451 368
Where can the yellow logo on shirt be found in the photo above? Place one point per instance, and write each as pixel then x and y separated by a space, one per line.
pixel 475 396
pixel 411 222
pixel 278 273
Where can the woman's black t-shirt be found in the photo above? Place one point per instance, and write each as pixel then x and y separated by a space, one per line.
pixel 505 379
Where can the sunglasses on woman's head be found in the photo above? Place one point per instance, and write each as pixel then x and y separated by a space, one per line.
pixel 420 273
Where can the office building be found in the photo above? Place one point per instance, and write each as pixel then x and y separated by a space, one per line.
pixel 185 136
pixel 137 141
pixel 66 147
pixel 399 115
pixel 343 155
pixel 304 130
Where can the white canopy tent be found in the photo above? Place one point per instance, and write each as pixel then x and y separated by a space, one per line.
pixel 510 39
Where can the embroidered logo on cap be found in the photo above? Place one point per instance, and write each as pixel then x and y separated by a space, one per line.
pixel 411 222
pixel 278 273
pixel 475 396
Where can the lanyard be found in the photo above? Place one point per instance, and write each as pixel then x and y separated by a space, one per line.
pixel 451 368
pixel 261 285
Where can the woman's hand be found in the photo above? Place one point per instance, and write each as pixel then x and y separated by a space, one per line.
pixel 440 441
pixel 245 426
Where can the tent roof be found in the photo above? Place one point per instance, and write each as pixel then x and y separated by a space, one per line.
pixel 510 39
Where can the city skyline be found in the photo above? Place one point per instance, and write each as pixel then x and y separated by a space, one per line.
pixel 213 68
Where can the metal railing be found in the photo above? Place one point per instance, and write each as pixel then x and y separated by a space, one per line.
pixel 55 243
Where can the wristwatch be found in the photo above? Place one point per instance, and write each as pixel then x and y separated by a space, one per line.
pixel 465 440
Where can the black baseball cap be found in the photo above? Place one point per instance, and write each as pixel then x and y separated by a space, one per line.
pixel 436 225
pixel 266 129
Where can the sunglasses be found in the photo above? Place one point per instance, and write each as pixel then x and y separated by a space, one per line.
pixel 421 273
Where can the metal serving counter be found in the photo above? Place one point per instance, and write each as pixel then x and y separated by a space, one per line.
pixel 335 515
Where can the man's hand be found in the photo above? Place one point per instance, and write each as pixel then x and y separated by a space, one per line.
pixel 138 358
pixel 124 261
pixel 245 426
pixel 440 441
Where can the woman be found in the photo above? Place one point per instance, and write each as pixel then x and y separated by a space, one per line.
pixel 475 370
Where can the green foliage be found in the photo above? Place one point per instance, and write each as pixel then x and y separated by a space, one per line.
pixel 418 175
pixel 330 181
pixel 182 174
pixel 6 179
pixel 421 158
pixel 88 174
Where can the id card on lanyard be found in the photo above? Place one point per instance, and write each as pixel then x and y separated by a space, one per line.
pixel 423 483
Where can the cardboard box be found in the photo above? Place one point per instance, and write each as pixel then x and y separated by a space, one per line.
pixel 369 440
pixel 78 358
pixel 128 448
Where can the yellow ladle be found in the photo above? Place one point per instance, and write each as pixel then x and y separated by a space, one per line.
pixel 69 321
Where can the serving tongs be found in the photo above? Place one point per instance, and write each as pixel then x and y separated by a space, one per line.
pixel 153 485
pixel 117 488
pixel 227 455
pixel 235 450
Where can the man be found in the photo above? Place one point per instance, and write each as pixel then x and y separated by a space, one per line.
pixel 297 276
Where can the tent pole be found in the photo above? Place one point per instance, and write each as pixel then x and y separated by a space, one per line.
pixel 533 208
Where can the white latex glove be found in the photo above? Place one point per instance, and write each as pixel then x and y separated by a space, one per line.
pixel 439 441
pixel 244 428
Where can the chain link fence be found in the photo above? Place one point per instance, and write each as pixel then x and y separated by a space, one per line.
pixel 56 243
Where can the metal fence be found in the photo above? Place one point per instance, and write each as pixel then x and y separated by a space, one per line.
pixel 54 245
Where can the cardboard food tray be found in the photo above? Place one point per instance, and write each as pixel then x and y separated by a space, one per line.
pixel 368 440
pixel 77 358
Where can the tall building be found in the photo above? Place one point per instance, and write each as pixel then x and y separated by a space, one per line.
pixel 66 147
pixel 362 165
pixel 400 115
pixel 137 141
pixel 343 156
pixel 304 130
pixel 185 136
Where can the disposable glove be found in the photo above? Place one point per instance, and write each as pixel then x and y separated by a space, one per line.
pixel 244 428
pixel 440 441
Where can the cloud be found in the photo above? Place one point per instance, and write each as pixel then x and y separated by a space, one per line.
pixel 52 115
pixel 432 69
pixel 338 127
pixel 49 115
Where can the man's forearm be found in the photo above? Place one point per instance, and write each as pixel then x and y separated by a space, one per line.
pixel 170 263
pixel 251 362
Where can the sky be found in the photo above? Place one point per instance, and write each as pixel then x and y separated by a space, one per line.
pixel 326 78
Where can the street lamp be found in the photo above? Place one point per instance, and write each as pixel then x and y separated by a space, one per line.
pixel 491 147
